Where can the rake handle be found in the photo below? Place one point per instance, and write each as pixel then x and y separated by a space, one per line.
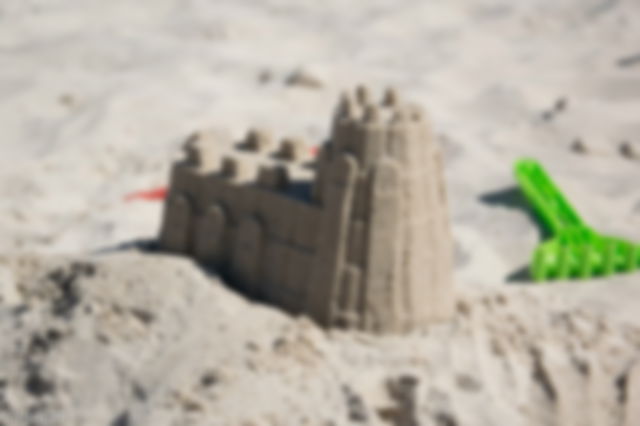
pixel 546 198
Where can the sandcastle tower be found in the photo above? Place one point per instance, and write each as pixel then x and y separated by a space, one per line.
pixel 358 237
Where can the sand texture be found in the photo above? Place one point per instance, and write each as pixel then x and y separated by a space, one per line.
pixel 96 97
pixel 97 342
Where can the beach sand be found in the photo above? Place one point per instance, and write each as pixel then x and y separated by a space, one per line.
pixel 96 99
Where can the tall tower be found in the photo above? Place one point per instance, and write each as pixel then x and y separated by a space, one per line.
pixel 384 254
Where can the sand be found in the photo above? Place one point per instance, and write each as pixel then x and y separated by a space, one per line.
pixel 96 98
pixel 138 339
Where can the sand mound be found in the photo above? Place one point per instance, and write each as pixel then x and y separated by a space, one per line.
pixel 133 339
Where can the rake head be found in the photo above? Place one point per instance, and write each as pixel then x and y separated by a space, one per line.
pixel 581 253
pixel 576 250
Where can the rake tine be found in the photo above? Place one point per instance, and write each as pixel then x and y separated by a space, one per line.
pixel 586 266
pixel 609 258
pixel 564 263
pixel 539 266
pixel 632 258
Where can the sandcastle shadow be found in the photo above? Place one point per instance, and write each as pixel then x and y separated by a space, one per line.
pixel 144 245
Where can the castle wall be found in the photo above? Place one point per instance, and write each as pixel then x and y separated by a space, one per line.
pixel 263 239
pixel 333 236
pixel 179 210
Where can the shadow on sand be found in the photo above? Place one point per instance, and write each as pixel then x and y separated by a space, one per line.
pixel 141 245
pixel 513 198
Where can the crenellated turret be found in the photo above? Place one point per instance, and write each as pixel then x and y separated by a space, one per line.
pixel 258 140
pixel 399 248
pixel 293 149
pixel 275 178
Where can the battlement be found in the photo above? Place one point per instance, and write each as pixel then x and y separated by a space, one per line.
pixel 357 237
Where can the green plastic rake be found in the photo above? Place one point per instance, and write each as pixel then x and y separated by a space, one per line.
pixel 575 250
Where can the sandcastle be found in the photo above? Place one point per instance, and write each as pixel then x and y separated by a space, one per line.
pixel 357 236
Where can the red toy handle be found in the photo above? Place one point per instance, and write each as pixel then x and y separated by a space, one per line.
pixel 149 195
